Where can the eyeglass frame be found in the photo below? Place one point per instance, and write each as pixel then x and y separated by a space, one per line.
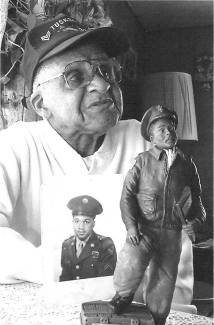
pixel 94 71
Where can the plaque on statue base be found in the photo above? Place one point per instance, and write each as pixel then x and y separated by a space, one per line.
pixel 100 312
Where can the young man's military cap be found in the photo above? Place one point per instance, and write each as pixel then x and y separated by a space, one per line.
pixel 153 114
pixel 85 205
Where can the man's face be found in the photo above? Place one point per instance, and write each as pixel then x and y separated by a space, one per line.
pixel 92 109
pixel 163 134
pixel 83 226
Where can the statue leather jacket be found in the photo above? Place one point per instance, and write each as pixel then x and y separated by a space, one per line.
pixel 151 190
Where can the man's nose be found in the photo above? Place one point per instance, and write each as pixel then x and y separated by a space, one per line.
pixel 81 225
pixel 99 84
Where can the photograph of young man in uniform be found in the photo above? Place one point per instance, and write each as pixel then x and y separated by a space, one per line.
pixel 86 254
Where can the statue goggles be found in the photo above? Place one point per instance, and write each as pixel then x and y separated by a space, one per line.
pixel 78 74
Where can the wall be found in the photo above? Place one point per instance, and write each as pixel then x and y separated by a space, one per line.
pixel 174 50
pixel 123 18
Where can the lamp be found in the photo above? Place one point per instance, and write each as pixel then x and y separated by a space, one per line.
pixel 175 91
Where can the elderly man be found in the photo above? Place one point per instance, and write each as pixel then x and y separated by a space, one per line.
pixel 86 254
pixel 74 79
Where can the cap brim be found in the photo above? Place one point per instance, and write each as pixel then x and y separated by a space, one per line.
pixel 112 40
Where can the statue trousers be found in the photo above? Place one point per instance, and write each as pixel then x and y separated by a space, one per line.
pixel 159 249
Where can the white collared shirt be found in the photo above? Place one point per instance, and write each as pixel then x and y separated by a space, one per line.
pixel 171 154
pixel 83 242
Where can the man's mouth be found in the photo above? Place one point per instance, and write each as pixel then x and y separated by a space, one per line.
pixel 81 233
pixel 170 140
pixel 106 103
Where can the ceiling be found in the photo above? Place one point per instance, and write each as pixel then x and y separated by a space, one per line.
pixel 162 14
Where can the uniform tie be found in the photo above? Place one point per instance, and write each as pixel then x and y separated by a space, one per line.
pixel 79 248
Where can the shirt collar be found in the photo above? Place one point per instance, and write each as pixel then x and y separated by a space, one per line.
pixel 158 153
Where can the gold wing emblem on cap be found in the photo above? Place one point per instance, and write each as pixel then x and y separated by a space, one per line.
pixel 46 37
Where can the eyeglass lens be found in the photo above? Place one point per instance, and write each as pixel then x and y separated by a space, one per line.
pixel 80 73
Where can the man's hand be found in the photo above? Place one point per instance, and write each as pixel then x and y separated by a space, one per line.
pixel 20 260
pixel 191 228
pixel 133 236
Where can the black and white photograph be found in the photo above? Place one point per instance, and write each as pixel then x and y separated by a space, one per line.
pixel 86 254
pixel 106 162
pixel 82 230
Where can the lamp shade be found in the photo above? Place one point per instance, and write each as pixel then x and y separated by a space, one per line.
pixel 175 91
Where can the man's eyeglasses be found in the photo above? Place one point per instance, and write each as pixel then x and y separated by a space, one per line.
pixel 79 74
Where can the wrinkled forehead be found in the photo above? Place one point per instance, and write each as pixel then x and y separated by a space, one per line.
pixel 84 51
pixel 161 122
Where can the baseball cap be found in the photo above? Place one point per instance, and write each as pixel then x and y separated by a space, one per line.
pixel 85 205
pixel 53 36
pixel 153 114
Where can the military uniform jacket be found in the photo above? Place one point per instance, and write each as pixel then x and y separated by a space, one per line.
pixel 98 258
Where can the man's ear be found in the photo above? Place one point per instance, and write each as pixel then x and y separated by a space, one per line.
pixel 38 105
